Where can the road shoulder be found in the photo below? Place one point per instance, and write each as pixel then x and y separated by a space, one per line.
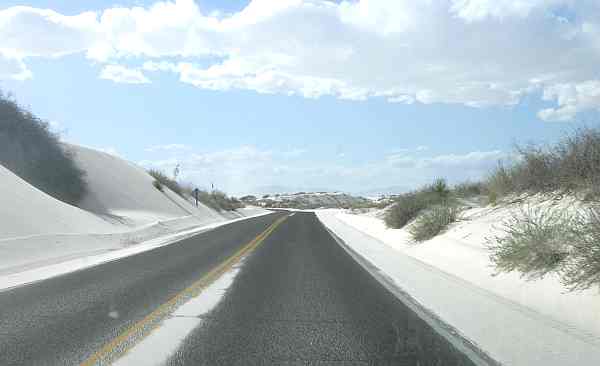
pixel 508 332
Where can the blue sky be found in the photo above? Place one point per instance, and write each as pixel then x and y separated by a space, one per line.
pixel 264 102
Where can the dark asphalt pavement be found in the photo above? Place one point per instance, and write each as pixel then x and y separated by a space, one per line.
pixel 299 299
pixel 63 320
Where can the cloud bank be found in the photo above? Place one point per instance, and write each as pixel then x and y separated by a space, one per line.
pixel 477 53
pixel 237 170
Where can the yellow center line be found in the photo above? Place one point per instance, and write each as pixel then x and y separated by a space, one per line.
pixel 142 328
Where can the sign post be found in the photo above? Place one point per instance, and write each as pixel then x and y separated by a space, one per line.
pixel 196 192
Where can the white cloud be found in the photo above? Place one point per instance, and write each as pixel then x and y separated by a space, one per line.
pixel 110 150
pixel 160 66
pixel 471 160
pixel 13 68
pixel 477 53
pixel 238 170
pixel 293 153
pixel 476 10
pixel 168 148
pixel 28 31
pixel 122 74
pixel 403 150
pixel 232 170
pixel 571 99
pixel 475 159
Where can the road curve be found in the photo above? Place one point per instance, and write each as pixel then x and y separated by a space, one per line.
pixel 298 299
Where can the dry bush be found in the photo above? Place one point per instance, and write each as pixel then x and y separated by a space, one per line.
pixel 469 189
pixel 582 269
pixel 409 205
pixel 433 221
pixel 30 150
pixel 219 201
pixel 573 164
pixel 534 242
pixel 164 180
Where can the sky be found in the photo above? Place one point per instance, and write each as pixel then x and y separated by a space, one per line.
pixel 266 96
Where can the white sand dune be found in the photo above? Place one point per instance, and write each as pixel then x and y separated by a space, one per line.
pixel 121 208
pixel 26 211
pixel 120 188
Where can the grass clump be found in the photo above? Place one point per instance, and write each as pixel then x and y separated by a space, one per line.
pixel 32 151
pixel 158 185
pixel 219 201
pixel 162 180
pixel 409 205
pixel 469 189
pixel 433 221
pixel 582 268
pixel 404 210
pixel 534 242
pixel 499 183
pixel 538 241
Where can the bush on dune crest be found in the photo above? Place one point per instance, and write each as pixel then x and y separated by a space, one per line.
pixel 216 200
pixel 219 201
pixel 30 150
pixel 573 164
pixel 432 208
pixel 162 180
pixel 535 241
pixel 409 205
pixel 469 189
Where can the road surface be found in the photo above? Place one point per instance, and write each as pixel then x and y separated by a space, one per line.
pixel 298 299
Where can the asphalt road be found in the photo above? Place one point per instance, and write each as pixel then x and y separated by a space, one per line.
pixel 299 299
pixel 63 320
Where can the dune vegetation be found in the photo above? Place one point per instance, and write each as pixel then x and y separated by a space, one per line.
pixel 32 151
pixel 537 240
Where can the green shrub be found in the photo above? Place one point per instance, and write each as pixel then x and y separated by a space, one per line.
pixel 408 206
pixel 30 150
pixel 249 199
pixel 534 242
pixel 582 269
pixel 164 180
pixel 432 222
pixel 158 185
pixel 219 201
pixel 225 202
pixel 440 189
pixel 405 209
pixel 469 189
pixel 579 155
pixel 499 183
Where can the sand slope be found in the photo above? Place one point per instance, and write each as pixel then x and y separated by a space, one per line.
pixel 121 208
pixel 120 197
pixel 26 211
pixel 120 188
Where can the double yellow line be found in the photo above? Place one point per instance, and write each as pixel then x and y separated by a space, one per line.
pixel 135 333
